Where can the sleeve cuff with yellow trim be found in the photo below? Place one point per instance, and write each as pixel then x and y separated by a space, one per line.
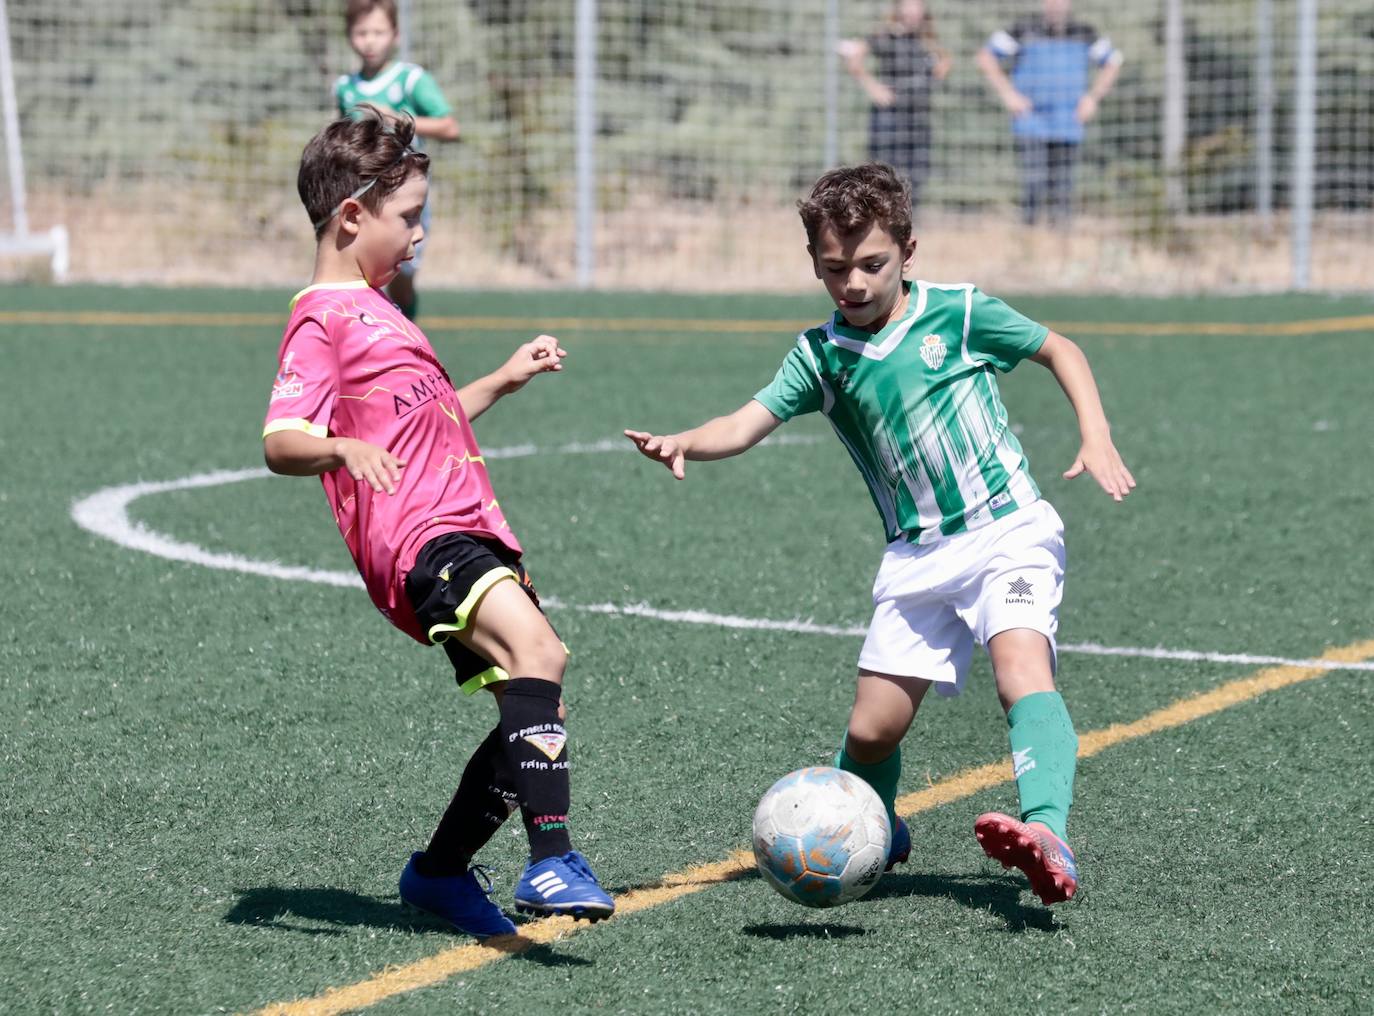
pixel 313 429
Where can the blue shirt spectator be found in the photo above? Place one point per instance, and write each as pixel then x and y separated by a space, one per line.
pixel 1050 98
pixel 1050 64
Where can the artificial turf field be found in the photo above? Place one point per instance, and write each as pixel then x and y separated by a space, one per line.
pixel 212 777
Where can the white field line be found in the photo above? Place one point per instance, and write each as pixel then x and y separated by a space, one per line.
pixel 106 514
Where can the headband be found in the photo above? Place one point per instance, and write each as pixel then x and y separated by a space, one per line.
pixel 405 152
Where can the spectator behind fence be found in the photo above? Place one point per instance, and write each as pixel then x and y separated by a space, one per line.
pixel 1049 98
pixel 909 62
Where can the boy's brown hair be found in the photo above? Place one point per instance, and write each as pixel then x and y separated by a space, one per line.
pixel 854 198
pixel 362 8
pixel 368 150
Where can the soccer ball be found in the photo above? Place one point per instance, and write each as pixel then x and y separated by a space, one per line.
pixel 821 837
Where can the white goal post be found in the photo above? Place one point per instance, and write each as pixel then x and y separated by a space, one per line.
pixel 20 242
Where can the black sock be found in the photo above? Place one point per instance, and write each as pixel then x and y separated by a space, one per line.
pixel 537 760
pixel 484 799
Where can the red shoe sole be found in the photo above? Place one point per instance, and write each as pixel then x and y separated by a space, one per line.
pixel 1004 839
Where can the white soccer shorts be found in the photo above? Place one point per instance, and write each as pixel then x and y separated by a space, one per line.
pixel 931 603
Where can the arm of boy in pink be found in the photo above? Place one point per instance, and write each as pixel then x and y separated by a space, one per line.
pixel 1097 456
pixel 715 439
pixel 296 453
pixel 540 355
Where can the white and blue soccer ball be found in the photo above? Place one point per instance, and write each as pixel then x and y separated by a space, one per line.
pixel 821 837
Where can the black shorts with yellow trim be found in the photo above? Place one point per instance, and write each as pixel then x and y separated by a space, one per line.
pixel 452 573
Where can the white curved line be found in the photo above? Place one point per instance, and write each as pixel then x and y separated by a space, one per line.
pixel 106 514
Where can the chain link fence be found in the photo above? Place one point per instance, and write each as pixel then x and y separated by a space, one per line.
pixel 165 136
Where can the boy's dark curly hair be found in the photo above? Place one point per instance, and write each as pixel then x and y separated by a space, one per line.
pixel 854 198
pixel 351 152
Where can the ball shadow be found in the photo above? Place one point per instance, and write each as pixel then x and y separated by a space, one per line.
pixel 783 932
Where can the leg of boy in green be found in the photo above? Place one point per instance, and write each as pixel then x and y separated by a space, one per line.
pixel 1044 756
pixel 1044 753
pixel 882 777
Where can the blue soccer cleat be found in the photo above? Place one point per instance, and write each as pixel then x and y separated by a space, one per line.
pixel 1044 857
pixel 900 848
pixel 562 885
pixel 460 900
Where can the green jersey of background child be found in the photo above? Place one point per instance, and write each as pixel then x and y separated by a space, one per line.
pixel 905 374
pixel 373 28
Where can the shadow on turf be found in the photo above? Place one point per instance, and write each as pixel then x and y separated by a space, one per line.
pixel 271 906
pixel 782 932
pixel 1000 894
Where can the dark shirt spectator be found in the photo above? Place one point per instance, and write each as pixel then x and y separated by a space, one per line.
pixel 909 63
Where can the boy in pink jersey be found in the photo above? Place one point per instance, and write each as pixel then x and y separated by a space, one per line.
pixel 361 401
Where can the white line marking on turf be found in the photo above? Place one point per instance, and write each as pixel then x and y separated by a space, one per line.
pixel 106 514
pixel 811 628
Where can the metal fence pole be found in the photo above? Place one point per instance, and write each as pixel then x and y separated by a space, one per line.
pixel 1264 111
pixel 584 126
pixel 405 28
pixel 1174 127
pixel 1304 143
pixel 10 112
pixel 831 149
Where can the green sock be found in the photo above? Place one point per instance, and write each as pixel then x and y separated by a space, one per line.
pixel 881 776
pixel 1044 753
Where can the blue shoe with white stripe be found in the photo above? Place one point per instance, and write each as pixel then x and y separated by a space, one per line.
pixel 562 885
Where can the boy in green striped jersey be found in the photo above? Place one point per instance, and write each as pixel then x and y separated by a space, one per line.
pixel 905 373
pixel 394 86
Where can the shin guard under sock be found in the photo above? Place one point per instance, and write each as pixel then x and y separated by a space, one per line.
pixel 1044 755
pixel 484 799
pixel 535 746
pixel 881 776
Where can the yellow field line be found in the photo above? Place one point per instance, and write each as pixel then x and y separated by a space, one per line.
pixel 193 319
pixel 438 968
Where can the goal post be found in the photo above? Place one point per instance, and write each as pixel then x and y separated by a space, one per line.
pixel 20 241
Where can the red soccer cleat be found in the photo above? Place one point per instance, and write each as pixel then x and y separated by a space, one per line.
pixel 1044 857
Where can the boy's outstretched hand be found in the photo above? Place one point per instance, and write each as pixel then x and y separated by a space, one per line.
pixel 538 356
pixel 661 449
pixel 1100 460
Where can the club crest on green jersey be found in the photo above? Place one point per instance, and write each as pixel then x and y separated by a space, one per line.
pixel 933 351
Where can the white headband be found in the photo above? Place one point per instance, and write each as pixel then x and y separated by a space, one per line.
pixel 363 189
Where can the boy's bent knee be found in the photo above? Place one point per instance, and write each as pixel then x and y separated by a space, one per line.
pixel 544 657
pixel 869 740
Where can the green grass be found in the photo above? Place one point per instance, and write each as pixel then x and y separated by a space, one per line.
pixel 210 779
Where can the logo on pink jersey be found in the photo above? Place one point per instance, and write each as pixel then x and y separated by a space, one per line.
pixel 286 385
pixel 380 329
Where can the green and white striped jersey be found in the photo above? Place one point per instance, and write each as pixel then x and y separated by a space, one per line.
pixel 916 405
pixel 399 86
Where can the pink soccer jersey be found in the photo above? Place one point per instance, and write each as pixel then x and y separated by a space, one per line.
pixel 352 365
